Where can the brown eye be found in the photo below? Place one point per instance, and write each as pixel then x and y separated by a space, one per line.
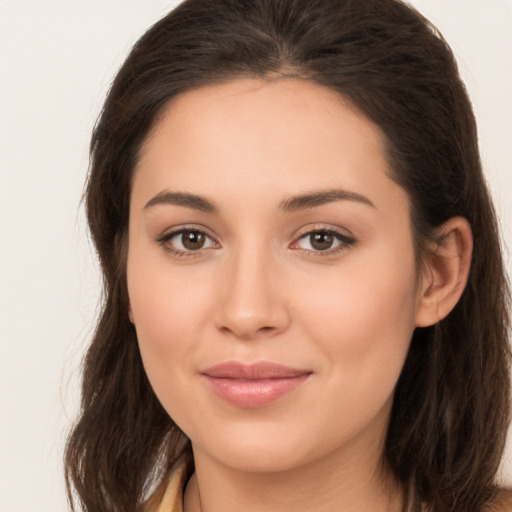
pixel 321 240
pixel 193 240
pixel 186 241
pixel 326 241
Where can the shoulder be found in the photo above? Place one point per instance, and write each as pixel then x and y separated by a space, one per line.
pixel 501 503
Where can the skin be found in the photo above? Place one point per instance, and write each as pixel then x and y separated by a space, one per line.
pixel 258 290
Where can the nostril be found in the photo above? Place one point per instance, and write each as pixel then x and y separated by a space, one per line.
pixel 247 331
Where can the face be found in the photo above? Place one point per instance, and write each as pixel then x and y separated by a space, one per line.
pixel 271 273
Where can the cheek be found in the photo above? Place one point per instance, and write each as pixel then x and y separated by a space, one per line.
pixel 168 312
pixel 362 330
pixel 165 300
pixel 364 317
pixel 365 289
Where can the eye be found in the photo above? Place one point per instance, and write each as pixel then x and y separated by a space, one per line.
pixel 186 241
pixel 323 241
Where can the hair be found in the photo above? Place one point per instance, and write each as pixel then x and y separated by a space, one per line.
pixel 451 405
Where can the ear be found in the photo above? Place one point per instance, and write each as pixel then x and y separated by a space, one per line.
pixel 446 271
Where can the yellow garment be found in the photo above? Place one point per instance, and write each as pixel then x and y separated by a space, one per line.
pixel 173 497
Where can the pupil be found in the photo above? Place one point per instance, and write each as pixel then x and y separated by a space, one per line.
pixel 322 240
pixel 193 240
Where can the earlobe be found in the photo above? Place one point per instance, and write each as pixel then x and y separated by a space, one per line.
pixel 447 269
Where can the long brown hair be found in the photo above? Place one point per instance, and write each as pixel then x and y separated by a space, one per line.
pixel 451 405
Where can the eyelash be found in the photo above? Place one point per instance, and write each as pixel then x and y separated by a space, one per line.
pixel 165 239
pixel 345 242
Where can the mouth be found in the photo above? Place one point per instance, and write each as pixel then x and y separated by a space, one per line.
pixel 255 385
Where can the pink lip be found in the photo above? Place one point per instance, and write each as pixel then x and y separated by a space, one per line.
pixel 253 385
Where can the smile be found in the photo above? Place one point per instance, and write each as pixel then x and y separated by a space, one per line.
pixel 255 385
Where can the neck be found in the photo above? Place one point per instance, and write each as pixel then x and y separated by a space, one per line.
pixel 352 480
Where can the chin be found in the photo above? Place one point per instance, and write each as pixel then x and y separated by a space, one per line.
pixel 261 458
pixel 260 448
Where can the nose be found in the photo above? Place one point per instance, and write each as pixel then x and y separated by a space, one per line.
pixel 252 299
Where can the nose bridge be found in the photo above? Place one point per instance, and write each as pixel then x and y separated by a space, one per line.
pixel 252 302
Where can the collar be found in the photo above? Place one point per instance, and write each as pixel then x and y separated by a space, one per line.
pixel 173 496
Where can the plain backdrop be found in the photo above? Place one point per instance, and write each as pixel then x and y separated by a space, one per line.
pixel 57 59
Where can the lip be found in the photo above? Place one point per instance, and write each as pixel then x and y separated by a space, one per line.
pixel 254 385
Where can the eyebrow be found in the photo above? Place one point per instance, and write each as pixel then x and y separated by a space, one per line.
pixel 313 199
pixel 184 199
pixel 292 204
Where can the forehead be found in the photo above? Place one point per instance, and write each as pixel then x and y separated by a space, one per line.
pixel 254 137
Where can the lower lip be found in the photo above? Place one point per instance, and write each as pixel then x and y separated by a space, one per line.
pixel 254 393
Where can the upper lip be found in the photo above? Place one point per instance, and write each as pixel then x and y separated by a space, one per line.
pixel 256 371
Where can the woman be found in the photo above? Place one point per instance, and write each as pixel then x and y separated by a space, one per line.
pixel 305 303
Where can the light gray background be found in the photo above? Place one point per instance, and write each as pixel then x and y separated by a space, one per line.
pixel 57 58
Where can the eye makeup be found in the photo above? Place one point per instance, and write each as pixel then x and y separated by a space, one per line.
pixel 191 241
